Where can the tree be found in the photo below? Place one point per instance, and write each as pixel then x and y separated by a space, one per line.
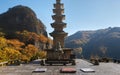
pixel 31 37
pixel 23 36
pixel 41 54
pixel 11 53
pixel 78 52
pixel 15 43
pixel 3 57
pixel 42 38
pixel 103 49
pixel 3 43
pixel 13 49
pixel 2 34
pixel 28 52
pixel 24 58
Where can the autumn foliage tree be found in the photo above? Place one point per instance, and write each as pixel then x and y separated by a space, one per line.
pixel 2 34
pixel 8 50
pixel 31 37
pixel 28 52
pixel 3 43
pixel 11 53
pixel 3 57
pixel 16 44
pixel 13 49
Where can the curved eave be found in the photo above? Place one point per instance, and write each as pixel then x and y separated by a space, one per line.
pixel 60 17
pixel 58 5
pixel 56 25
pixel 58 11
pixel 63 34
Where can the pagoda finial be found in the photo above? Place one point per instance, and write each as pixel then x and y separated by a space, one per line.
pixel 58 1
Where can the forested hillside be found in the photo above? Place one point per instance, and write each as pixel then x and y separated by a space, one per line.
pixel 23 36
pixel 103 42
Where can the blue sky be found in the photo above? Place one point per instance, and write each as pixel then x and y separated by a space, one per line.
pixel 80 14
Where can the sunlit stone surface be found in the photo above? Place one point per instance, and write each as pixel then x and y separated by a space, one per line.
pixel 27 69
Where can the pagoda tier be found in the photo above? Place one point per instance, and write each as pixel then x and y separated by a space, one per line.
pixel 58 11
pixel 58 18
pixel 58 37
pixel 58 5
pixel 58 25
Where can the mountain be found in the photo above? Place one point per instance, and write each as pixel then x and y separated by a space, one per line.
pixel 20 18
pixel 78 39
pixel 103 42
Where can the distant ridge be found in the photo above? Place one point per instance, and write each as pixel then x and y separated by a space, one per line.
pixel 103 42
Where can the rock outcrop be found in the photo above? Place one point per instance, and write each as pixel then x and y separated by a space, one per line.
pixel 20 18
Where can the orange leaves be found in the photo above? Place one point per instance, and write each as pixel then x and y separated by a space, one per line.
pixel 41 54
pixel 31 36
pixel 16 50
pixel 23 36
pixel 11 53
pixel 13 49
pixel 42 38
pixel 24 58
pixel 3 57
pixel 15 43
pixel 30 50
pixel 3 42
pixel 9 49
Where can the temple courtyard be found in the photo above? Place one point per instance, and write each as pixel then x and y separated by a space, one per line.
pixel 27 69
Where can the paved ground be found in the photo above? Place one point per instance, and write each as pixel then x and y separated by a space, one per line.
pixel 27 69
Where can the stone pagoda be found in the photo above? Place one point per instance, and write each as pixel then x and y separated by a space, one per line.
pixel 58 54
pixel 58 34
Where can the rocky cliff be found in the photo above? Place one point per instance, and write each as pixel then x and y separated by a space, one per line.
pixel 20 18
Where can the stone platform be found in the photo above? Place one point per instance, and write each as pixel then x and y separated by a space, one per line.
pixel 27 69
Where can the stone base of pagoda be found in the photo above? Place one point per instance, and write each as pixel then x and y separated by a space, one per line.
pixel 54 57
